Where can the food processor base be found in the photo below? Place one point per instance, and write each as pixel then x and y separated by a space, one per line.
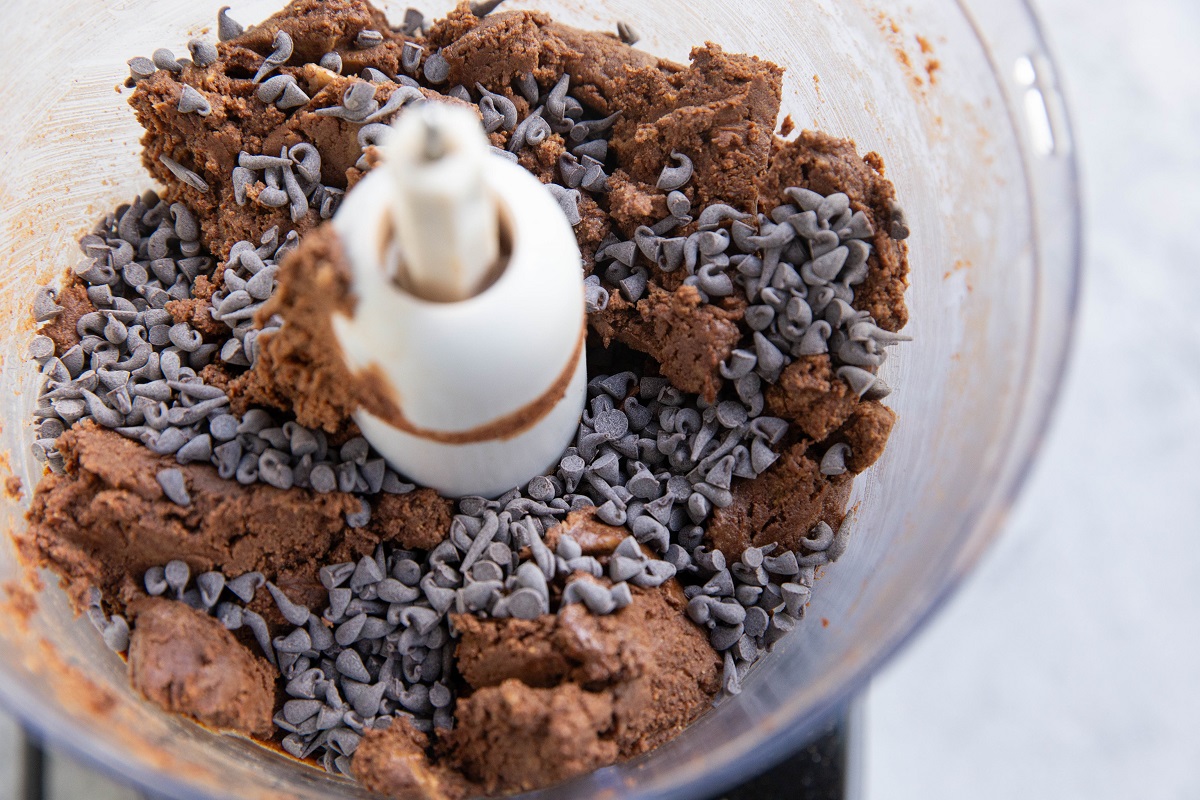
pixel 824 768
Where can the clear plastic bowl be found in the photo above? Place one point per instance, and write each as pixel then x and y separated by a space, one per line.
pixel 981 157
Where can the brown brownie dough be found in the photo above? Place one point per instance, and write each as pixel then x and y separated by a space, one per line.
pixel 300 368
pixel 514 738
pixel 75 303
pixel 107 520
pixel 394 763
pixel 420 519
pixel 812 397
pixel 542 159
pixel 595 538
pixel 687 337
pixel 501 46
pixel 632 203
pixel 781 505
pixel 655 664
pixel 318 27
pixel 490 652
pixel 720 112
pixel 186 662
pixel 867 432
pixel 197 310
pixel 594 225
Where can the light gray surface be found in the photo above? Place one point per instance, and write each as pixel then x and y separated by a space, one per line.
pixel 10 758
pixel 1069 664
pixel 67 780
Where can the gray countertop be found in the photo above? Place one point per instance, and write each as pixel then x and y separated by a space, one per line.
pixel 1068 666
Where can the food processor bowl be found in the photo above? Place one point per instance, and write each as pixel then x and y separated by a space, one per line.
pixel 960 99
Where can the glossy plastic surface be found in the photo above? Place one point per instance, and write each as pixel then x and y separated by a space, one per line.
pixel 975 138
